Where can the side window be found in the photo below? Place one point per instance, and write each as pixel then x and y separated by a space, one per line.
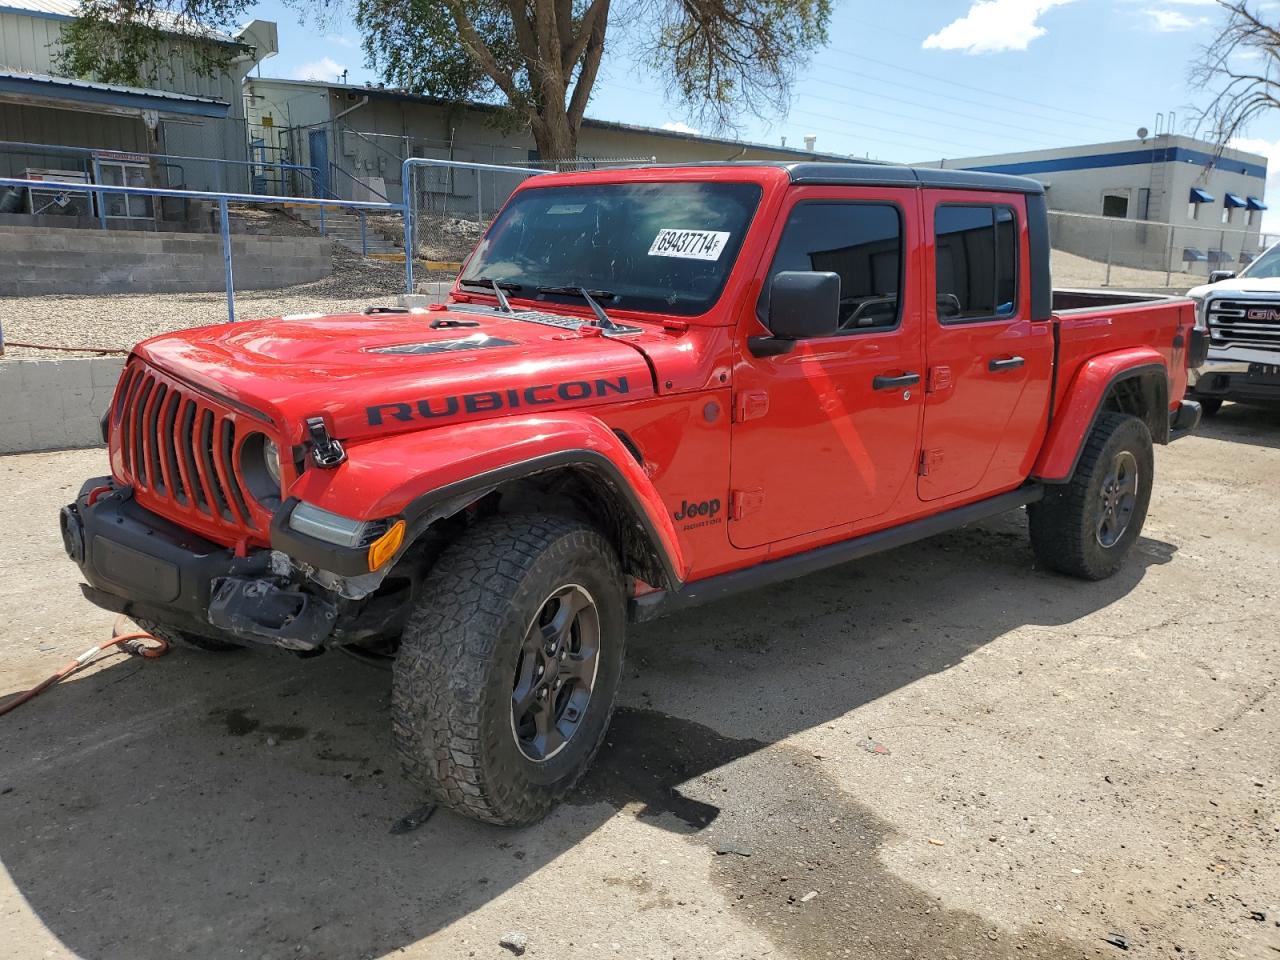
pixel 862 242
pixel 977 262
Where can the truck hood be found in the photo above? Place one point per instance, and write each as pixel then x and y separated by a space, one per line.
pixel 381 373
pixel 1261 287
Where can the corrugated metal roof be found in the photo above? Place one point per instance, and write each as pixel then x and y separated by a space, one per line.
pixel 56 8
pixel 108 87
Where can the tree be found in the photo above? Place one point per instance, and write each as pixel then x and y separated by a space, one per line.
pixel 540 58
pixel 136 42
pixel 1241 70
pixel 536 59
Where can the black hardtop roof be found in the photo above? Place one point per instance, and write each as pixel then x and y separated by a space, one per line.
pixel 856 174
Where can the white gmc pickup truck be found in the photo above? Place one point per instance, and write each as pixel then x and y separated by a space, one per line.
pixel 1242 314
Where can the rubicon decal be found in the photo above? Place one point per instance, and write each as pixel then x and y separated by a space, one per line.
pixel 492 401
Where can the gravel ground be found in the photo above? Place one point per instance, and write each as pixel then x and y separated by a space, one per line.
pixel 118 322
pixel 939 752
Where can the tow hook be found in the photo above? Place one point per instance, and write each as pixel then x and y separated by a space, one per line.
pixel 325 450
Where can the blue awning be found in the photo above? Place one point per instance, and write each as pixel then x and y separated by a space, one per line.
pixel 1201 196
pixel 1231 200
pixel 1255 204
pixel 1192 255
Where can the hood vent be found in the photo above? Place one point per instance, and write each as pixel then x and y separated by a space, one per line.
pixel 477 341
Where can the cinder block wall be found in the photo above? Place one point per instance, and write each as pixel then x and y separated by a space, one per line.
pixel 54 404
pixel 36 261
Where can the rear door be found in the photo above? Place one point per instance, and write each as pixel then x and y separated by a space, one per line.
pixel 827 434
pixel 989 362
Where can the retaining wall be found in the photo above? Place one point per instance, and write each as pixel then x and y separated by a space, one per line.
pixel 36 261
pixel 54 404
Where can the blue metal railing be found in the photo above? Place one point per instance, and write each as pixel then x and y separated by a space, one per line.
pixel 407 195
pixel 222 199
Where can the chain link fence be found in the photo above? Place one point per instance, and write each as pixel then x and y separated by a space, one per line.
pixel 1093 251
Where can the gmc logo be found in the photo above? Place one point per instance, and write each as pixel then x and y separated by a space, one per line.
pixel 1264 313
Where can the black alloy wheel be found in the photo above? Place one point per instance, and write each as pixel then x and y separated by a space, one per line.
pixel 1119 497
pixel 555 673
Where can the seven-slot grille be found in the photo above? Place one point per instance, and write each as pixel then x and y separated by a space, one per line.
pixel 1245 323
pixel 182 450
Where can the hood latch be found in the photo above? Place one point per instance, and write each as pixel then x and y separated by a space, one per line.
pixel 325 450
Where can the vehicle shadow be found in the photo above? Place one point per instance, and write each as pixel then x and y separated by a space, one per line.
pixel 1241 423
pixel 248 805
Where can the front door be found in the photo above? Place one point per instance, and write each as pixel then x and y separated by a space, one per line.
pixel 318 143
pixel 989 361
pixel 827 434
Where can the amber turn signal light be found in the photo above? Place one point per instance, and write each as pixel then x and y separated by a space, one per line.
pixel 385 547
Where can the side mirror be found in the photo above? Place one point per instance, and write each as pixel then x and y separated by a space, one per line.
pixel 802 304
pixel 1217 276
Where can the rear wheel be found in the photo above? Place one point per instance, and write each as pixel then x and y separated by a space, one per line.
pixel 509 665
pixel 1087 526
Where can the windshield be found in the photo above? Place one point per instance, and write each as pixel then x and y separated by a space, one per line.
pixel 660 247
pixel 1265 267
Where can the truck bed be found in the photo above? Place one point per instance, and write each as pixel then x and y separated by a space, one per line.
pixel 1094 322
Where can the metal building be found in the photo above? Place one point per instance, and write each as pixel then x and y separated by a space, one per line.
pixel 1188 205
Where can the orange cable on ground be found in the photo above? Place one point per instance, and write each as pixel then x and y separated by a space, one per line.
pixel 131 643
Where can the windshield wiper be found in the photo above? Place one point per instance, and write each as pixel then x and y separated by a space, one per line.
pixel 490 282
pixel 602 318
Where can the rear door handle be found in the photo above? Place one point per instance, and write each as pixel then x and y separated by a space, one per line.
pixel 892 383
pixel 1011 363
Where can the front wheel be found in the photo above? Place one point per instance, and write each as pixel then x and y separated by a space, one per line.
pixel 509 665
pixel 1087 526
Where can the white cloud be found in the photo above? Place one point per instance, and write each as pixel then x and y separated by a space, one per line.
pixel 340 40
pixel 326 68
pixel 991 26
pixel 1173 21
pixel 676 127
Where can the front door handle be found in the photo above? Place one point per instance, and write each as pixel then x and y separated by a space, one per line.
pixel 883 382
pixel 1009 363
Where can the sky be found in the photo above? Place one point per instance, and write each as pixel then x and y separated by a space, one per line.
pixel 919 80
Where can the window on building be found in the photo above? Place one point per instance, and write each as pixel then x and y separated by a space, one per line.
pixel 1248 217
pixel 977 262
pixel 1193 211
pixel 862 242
pixel 1115 205
pixel 1226 214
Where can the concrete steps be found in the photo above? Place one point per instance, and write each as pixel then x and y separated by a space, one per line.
pixel 344 227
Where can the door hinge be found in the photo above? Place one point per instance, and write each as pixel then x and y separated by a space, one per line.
pixel 750 405
pixel 929 459
pixel 743 502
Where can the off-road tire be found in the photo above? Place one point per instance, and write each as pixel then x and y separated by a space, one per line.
pixel 451 704
pixel 1064 525
pixel 1209 406
pixel 181 638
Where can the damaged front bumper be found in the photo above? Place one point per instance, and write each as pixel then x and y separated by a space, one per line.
pixel 140 564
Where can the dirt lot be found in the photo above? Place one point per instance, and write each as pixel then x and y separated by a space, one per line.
pixel 937 753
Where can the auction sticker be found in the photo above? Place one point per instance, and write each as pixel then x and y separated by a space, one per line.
pixel 689 244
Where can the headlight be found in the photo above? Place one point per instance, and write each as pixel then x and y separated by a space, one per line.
pixel 382 538
pixel 271 460
pixel 335 528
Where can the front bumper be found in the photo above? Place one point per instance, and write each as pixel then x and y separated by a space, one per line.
pixel 140 564
pixel 1240 380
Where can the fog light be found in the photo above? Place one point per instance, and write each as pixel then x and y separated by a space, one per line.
pixel 385 547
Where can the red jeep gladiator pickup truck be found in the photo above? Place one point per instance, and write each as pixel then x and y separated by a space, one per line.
pixel 652 387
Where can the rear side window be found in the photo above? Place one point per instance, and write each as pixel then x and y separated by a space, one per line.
pixel 862 242
pixel 977 262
